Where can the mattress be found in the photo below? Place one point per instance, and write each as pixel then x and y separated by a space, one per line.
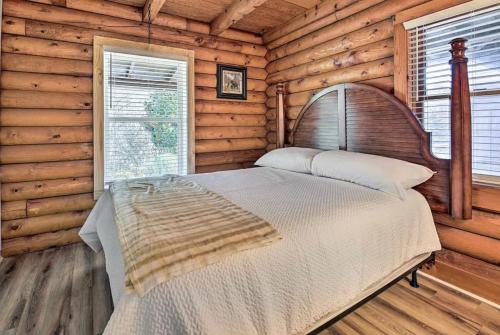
pixel 339 239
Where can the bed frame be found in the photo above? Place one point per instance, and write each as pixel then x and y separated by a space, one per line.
pixel 364 297
pixel 362 118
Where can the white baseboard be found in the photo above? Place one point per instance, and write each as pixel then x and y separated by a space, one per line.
pixel 461 290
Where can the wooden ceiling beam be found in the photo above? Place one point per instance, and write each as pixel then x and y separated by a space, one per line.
pixel 232 14
pixel 151 9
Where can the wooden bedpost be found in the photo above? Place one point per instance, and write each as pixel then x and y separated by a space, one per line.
pixel 461 134
pixel 280 116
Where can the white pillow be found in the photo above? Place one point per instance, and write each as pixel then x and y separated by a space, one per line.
pixel 291 159
pixel 389 175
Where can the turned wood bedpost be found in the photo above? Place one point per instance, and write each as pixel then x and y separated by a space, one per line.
pixel 461 134
pixel 280 116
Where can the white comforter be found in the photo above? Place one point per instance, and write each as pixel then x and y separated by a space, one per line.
pixel 338 239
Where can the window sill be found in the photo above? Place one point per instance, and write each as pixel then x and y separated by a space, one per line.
pixel 486 180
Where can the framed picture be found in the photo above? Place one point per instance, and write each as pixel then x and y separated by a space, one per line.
pixel 231 82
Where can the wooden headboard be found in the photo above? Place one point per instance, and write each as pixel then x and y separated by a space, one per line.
pixel 362 118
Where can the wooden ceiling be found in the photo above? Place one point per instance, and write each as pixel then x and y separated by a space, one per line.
pixel 266 15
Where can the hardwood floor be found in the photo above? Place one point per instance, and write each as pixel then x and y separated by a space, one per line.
pixel 66 291
pixel 57 291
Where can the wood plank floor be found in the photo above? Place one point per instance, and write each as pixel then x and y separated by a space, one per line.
pixel 66 291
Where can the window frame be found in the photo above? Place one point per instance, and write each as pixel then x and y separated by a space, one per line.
pixel 102 44
pixel 428 12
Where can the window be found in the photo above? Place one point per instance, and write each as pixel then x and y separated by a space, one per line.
pixel 143 113
pixel 429 83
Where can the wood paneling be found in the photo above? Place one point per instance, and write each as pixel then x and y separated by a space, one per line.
pixel 363 54
pixel 110 26
pixel 469 273
pixel 39 64
pixel 50 48
pixel 13 210
pixel 51 100
pixel 203 10
pixel 471 244
pixel 269 15
pixel 368 70
pixel 222 145
pixel 486 197
pixel 482 223
pixel 65 203
pixel 10 154
pixel 43 224
pixel 20 117
pixel 302 39
pixel 219 167
pixel 228 157
pixel 38 242
pixel 322 9
pixel 46 137
pixel 45 82
pixel 47 188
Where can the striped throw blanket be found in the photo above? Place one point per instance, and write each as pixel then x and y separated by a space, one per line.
pixel 170 226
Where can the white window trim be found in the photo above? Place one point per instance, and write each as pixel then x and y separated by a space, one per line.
pixel 486 179
pixel 102 44
pixel 449 13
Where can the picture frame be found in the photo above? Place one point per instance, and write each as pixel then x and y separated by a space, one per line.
pixel 231 82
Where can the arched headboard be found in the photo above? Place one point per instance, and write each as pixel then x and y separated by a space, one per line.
pixel 362 118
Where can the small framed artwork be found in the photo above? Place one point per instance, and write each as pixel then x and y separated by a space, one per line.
pixel 231 82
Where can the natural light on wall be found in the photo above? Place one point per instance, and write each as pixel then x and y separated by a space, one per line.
pixel 429 80
pixel 145 116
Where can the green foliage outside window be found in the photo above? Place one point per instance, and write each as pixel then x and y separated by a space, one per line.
pixel 163 104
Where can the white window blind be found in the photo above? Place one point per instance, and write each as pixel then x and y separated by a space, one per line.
pixel 429 81
pixel 145 116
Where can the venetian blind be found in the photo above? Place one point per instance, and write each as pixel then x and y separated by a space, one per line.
pixel 145 116
pixel 429 82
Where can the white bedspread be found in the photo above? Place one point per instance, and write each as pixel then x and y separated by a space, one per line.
pixel 338 239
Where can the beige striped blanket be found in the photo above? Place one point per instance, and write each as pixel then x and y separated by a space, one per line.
pixel 170 226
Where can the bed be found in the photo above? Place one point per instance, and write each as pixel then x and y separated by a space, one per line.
pixel 342 242
pixel 339 239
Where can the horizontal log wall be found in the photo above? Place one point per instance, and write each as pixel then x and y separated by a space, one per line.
pixel 346 41
pixel 46 108
pixel 469 273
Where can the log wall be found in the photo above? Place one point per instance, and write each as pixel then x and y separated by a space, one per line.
pixel 355 43
pixel 46 108
pixel 352 42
